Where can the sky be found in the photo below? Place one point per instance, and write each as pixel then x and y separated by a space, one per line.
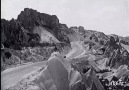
pixel 108 16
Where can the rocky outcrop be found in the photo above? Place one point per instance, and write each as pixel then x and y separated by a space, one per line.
pixel 10 57
pixel 88 75
pixel 14 35
pixel 107 45
pixel 117 54
pixel 124 40
pixel 18 33
pixel 61 33
pixel 57 76
pixel 30 18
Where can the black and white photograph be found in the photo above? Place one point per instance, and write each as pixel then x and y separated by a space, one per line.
pixel 64 44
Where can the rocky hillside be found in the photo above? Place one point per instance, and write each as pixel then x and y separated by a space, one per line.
pixel 31 29
pixel 12 58
pixel 109 46
pixel 20 32
pixel 34 36
pixel 117 54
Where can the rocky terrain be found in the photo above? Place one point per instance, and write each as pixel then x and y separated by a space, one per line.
pixel 31 29
pixel 33 37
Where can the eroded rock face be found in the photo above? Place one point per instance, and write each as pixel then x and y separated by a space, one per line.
pixel 14 35
pixel 51 22
pixel 88 75
pixel 19 32
pixel 116 53
pixel 112 41
pixel 10 57
pixel 33 17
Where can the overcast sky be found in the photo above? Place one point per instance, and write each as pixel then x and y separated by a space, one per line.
pixel 108 16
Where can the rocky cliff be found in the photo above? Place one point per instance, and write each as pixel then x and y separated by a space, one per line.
pixel 18 33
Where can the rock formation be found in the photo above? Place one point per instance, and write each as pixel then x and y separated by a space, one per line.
pixel 33 36
pixel 117 54
pixel 19 32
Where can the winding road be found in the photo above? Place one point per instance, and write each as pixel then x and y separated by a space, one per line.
pixel 12 76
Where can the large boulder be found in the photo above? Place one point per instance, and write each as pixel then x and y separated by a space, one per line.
pixel 89 77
